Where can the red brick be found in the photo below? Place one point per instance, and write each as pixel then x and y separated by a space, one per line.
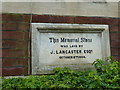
pixel 96 20
pixel 88 20
pixel 41 18
pixel 0 52
pixel 23 62
pixel 52 19
pixel 0 63
pixel 0 71
pixel 82 20
pixel 9 62
pixel 119 43
pixel 14 62
pixel 23 26
pixel 110 21
pixel 61 19
pixel 11 17
pixel 9 26
pixel 0 43
pixel 9 44
pixel 119 51
pixel 23 44
pixel 115 43
pixel 15 35
pixel 26 18
pixel 27 35
pixel 114 28
pixel 15 18
pixel 119 28
pixel 12 35
pixel 14 71
pixel 114 36
pixel 114 51
pixel 114 21
pixel 1 36
pixel 0 16
pixel 14 53
pixel 16 26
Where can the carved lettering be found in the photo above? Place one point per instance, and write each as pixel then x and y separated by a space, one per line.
pixel 70 48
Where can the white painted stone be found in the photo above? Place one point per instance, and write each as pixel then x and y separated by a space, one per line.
pixel 84 44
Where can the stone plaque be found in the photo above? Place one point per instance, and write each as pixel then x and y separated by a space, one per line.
pixel 67 45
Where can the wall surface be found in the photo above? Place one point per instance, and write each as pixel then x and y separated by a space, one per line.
pixel 16 30
pixel 15 44
pixel 16 38
pixel 104 9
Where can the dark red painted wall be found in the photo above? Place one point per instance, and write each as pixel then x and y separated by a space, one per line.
pixel 16 38
pixel 15 44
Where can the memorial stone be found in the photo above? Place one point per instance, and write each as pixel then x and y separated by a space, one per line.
pixel 75 46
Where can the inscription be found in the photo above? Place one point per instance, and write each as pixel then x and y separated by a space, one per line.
pixel 63 40
pixel 62 49
pixel 66 49
pixel 71 57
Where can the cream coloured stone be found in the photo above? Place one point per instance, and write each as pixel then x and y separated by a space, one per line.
pixel 71 45
pixel 109 9
pixel 60 0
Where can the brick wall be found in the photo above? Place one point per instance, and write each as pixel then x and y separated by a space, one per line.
pixel 16 38
pixel 15 44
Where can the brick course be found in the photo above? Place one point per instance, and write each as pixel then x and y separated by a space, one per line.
pixel 13 62
pixel 15 71
pixel 13 44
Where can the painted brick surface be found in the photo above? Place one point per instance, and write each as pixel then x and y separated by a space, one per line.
pixel 13 62
pixel 9 26
pixel 52 19
pixel 15 44
pixel 10 44
pixel 16 38
pixel 114 28
pixel 16 18
pixel 15 71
